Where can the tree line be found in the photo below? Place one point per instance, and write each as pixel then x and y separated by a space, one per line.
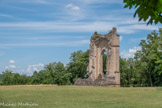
pixel 53 73
pixel 146 66
pixel 145 69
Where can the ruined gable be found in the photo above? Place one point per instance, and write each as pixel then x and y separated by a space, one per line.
pixel 99 44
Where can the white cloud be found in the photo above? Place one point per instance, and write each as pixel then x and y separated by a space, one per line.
pixel 41 38
pixel 6 67
pixel 121 37
pixel 7 16
pixel 35 1
pixel 102 26
pixel 41 1
pixel 102 1
pixel 11 61
pixel 11 66
pixel 29 69
pixel 130 53
pixel 35 67
pixel 38 65
pixel 73 7
pixel 10 16
pixel 63 43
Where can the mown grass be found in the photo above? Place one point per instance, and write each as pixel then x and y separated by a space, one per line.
pixel 81 97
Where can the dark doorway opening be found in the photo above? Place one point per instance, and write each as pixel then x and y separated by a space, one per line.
pixel 104 62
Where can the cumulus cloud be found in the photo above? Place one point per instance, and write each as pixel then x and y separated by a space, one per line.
pixel 12 61
pixel 73 7
pixel 35 67
pixel 130 53
pixel 10 66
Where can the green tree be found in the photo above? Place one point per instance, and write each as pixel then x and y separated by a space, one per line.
pixel 53 73
pixel 35 78
pixel 10 78
pixel 59 74
pixel 78 65
pixel 147 10
pixel 7 77
pixel 0 79
pixel 150 58
pixel 15 79
pixel 129 77
pixel 123 71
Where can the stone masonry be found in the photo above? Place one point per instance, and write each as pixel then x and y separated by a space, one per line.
pixel 99 44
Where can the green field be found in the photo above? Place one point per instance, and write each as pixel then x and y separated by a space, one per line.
pixel 80 97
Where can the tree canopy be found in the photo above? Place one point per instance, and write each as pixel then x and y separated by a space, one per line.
pixel 147 10
pixel 149 58
pixel 78 65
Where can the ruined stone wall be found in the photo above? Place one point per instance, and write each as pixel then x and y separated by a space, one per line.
pixel 98 44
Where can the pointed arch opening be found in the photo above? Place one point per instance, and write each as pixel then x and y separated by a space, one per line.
pixel 104 62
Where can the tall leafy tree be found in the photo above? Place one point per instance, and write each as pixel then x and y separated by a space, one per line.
pixel 7 77
pixel 129 76
pixel 78 65
pixel 60 75
pixel 150 58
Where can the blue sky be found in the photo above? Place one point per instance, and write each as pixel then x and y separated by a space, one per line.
pixel 34 33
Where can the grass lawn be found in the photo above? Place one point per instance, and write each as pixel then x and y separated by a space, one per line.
pixel 80 97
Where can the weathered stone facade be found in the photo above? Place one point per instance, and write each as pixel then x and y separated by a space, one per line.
pixel 99 44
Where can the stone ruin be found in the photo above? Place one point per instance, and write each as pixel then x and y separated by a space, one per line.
pixel 99 44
